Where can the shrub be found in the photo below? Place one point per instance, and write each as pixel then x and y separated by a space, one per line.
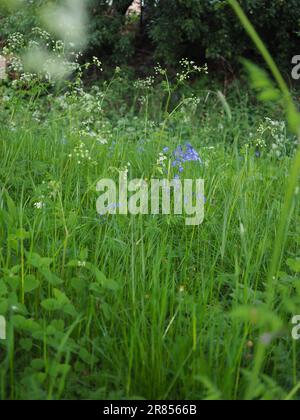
pixel 108 36
pixel 209 28
pixel 197 30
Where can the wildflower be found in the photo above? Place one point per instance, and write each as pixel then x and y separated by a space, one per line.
pixel 82 154
pixel 187 155
pixel 162 158
pixel 97 63
pixel 189 68
pixel 53 188
pixel 183 155
pixel 39 205
pixel 272 138
pixel 161 161
pixel 144 83
pixel 81 264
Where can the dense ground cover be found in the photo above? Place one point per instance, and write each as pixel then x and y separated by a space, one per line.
pixel 124 307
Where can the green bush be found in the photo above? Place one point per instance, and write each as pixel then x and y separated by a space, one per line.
pixel 107 36
pixel 21 19
pixel 194 29
pixel 208 28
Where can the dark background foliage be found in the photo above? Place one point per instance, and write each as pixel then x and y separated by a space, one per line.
pixel 171 29
pixel 208 28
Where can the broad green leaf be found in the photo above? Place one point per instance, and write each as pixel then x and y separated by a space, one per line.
pixel 30 283
pixel 61 297
pixel 110 285
pixel 3 288
pixel 58 369
pixel 293 119
pixel 26 344
pixel 66 305
pixel 261 82
pixel 87 357
pixel 84 254
pixel 35 260
pixel 79 284
pixel 51 305
pixel 21 234
pixel 50 277
pixel 294 264
pixel 24 324
pixel 3 306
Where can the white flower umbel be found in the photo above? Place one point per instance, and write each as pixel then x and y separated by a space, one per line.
pixel 39 205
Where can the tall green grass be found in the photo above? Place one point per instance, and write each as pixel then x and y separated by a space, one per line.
pixel 143 307
pixel 292 186
pixel 146 307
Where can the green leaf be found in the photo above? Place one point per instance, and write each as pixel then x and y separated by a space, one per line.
pixel 37 364
pixel 102 280
pixel 261 82
pixel 61 297
pixel 69 309
pixel 30 284
pixel 72 263
pixel 79 284
pixel 50 277
pixel 24 324
pixel 96 289
pixel 84 254
pixel 111 285
pixel 58 369
pixel 87 357
pixel 26 344
pixel 65 303
pixel 3 288
pixel 51 305
pixel 35 260
pixel 21 234
pixel 294 264
pixel 270 95
pixel 293 119
pixel 12 209
pixel 3 306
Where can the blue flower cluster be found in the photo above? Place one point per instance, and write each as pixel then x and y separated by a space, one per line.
pixel 182 155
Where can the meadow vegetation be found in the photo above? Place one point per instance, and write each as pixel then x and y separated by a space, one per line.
pixel 123 307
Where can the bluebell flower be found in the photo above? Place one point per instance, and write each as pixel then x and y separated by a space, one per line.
pixel 183 155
